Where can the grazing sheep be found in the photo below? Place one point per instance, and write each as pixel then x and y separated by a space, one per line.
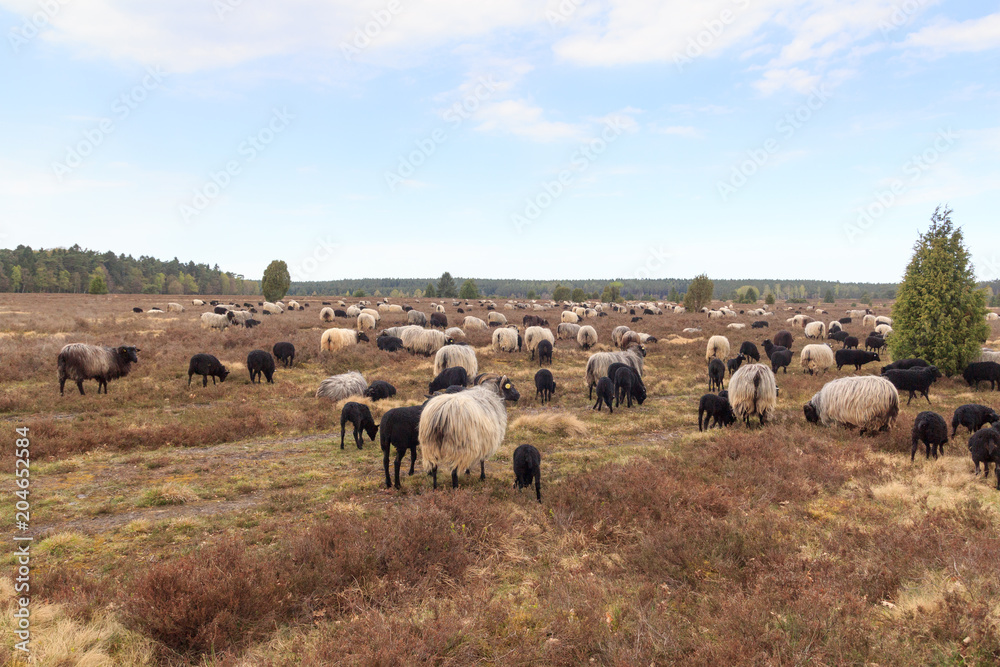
pixel 380 390
pixel 815 330
pixel 213 321
pixel 361 417
pixel 505 340
pixel 459 430
pixel 868 402
pixel 455 333
pixel 616 334
pixel 882 319
pixel 718 346
pixel 337 339
pixel 930 429
pixel 456 355
pixel 749 350
pixel 545 385
pixel 175 307
pixel 534 321
pixel 285 353
pixel 528 467
pixel 715 407
pixel 816 357
pixel 534 335
pixel 630 338
pixel 833 328
pixel 716 374
pixel 913 380
pixel 272 308
pixel 851 343
pixel 197 302
pixel 366 322
pixel 770 348
pixel 496 319
pixel 449 377
pixel 856 358
pixel 353 311
pixel 439 320
pixel 599 362
pixel 389 343
pixel 327 315
pixel 780 359
pixel 868 321
pixel 605 394
pixel 544 352
pixel 417 318
pixel 377 316
pixel 760 324
pixel 206 365
pixel 569 316
pixel 784 339
pixel 500 385
pixel 423 341
pixel 78 362
pixel 568 331
pixel 628 386
pixel 973 417
pixel 753 392
pixel 586 338
pixel 883 330
pixel 260 362
pixel 400 427
pixel 338 387
pixel 839 336
pixel 471 324
pixel 984 446
pixel 875 344
pixel 982 371
pixel 137 310
pixel 734 364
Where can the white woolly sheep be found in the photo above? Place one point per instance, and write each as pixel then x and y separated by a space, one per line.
pixel 423 341
pixel 987 354
pixel 353 311
pixel 293 305
pixel 383 307
pixel 753 392
pixel 991 317
pixel 395 308
pixel 718 346
pixel 599 362
pixel 417 318
pixel 457 431
pixel 366 322
pixel 454 333
pixel 374 313
pixel 586 338
pixel 679 310
pixel 882 319
pixel 175 308
pixel 868 402
pixel 868 322
pixel 272 308
pixel 883 330
pixel 736 325
pixel 337 339
pixel 617 333
pixel 496 318
pixel 439 308
pixel 815 330
pixel 339 387
pixel 505 340
pixel 326 315
pixel 715 315
pixel 471 323
pixel 535 335
pixel 567 331
pixel 816 357
pixel 197 302
pixel 450 356
pixel 569 316
pixel 214 321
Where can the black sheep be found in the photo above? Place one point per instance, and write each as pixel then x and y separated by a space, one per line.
pixel 780 359
pixel 973 417
pixel 784 339
pixel 734 364
pixel 220 310
pixel 628 386
pixel 770 348
pixel 874 343
pixel 749 350
pixel 137 310
pixel 359 415
pixel 284 352
pixel 206 365
pixel 339 313
pixel 905 364
pixel 260 362
pixel 856 358
pixel 448 377
pixel 647 311
pixel 389 343
pixel 760 324
pixel 913 380
pixel 545 385
pixel 982 371
pixel 528 468
pixel 851 343
pixel 839 336
pixel 715 408
pixel 379 390
pixel 605 394
pixel 845 320
pixel 929 427
pixel 400 427
pixel 439 320
pixel 984 446
pixel 636 319
pixel 544 352
pixel 251 323
pixel 716 373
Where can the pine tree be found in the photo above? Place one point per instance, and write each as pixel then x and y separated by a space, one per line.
pixel 446 286
pixel 829 298
pixel 578 295
pixel 673 296
pixel 98 285
pixel 939 314
pixel 699 293
pixel 769 299
pixel 469 290
pixel 276 280
pixel 561 293
pixel 430 292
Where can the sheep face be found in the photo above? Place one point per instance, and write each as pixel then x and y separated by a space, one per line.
pixel 362 337
pixel 509 392
pixel 128 353
pixel 812 414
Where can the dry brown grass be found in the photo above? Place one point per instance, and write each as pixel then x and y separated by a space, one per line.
pixel 223 525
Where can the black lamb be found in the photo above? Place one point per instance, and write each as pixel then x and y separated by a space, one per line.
pixel 749 350
pixel 206 365
pixel 260 363
pixel 544 352
pixel 448 377
pixel 628 386
pixel 528 468
pixel 716 373
pixel 734 364
pixel 973 417
pixel 984 445
pixel 760 324
pixel 379 390
pixel 856 358
pixel 982 371
pixel 359 415
pixel 400 428
pixel 851 343
pixel 285 353
pixel 545 385
pixel 605 394
pixel 770 348
pixel 715 408
pixel 780 359
pixel 839 336
pixel 905 364
pixel 913 380
pixel 929 428
pixel 389 343
pixel 439 320
pixel 874 343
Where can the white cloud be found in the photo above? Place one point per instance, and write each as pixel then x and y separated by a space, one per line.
pixel 523 119
pixel 942 36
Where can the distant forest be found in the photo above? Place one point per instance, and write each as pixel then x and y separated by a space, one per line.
pixel 75 269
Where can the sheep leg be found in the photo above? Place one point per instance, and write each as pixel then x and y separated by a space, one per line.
pixel 62 384
pixel 189 378
pixel 454 478
pixel 359 436
pixel 538 484
pixel 385 466
pixel 482 470
pixel 204 380
pixel 434 476
pixel 79 385
pixel 400 453
pixel 413 458
pixel 928 398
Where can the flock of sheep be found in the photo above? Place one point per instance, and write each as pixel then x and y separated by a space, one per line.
pixel 463 420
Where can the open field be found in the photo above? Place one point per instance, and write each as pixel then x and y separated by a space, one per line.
pixel 224 525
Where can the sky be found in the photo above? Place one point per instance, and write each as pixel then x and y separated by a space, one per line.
pixel 503 139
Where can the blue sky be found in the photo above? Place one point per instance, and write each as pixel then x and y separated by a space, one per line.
pixel 577 138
